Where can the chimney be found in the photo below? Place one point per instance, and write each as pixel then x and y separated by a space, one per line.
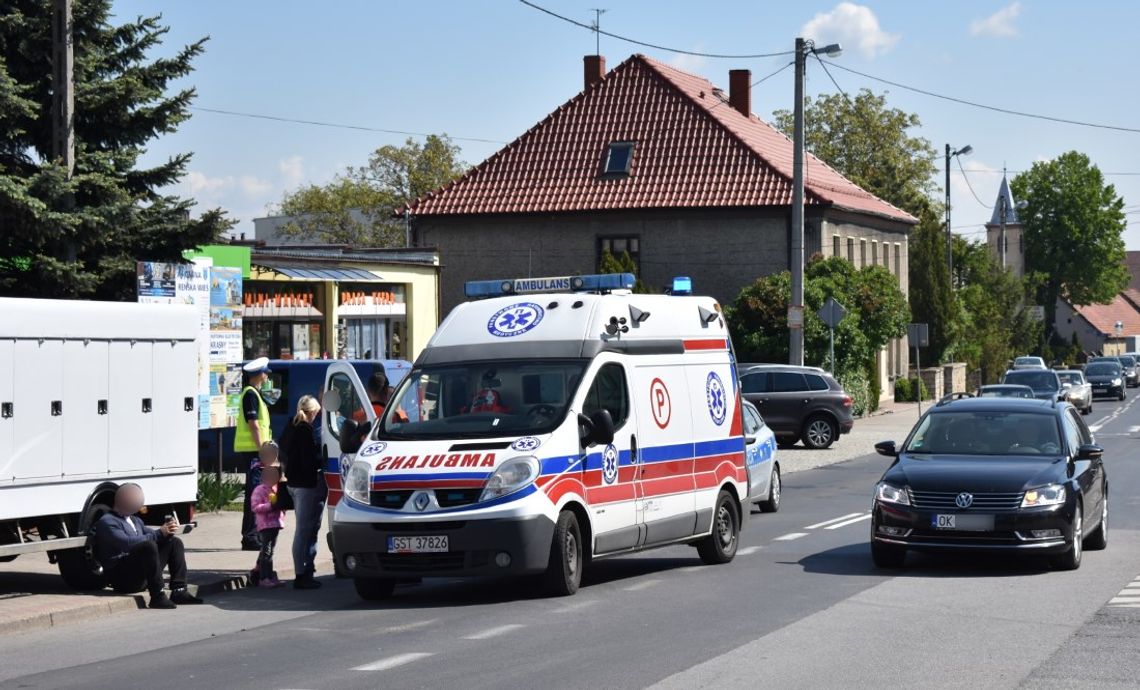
pixel 594 69
pixel 740 91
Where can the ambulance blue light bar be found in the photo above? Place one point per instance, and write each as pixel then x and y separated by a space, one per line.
pixel 519 286
pixel 682 285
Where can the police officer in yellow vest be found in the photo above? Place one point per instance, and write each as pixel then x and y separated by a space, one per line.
pixel 252 431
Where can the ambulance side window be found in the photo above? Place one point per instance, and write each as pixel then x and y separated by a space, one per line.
pixel 609 392
pixel 351 406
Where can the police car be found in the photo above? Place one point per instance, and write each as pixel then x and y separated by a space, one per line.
pixel 549 422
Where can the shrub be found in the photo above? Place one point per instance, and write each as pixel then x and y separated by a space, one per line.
pixel 855 384
pixel 213 495
pixel 905 390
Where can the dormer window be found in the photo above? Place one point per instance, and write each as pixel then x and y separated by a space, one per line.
pixel 619 157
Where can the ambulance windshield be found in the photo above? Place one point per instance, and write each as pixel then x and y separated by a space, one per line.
pixel 482 399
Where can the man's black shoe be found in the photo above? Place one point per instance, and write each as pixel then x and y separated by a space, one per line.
pixel 306 583
pixel 183 596
pixel 162 602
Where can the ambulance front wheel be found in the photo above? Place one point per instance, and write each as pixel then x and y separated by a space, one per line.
pixel 564 570
pixel 720 546
pixel 373 589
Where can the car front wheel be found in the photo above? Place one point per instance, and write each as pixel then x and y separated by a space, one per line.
pixel 775 489
pixel 1071 559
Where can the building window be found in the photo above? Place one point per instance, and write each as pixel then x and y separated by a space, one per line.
pixel 898 260
pixel 887 256
pixel 836 246
pixel 862 253
pixel 617 246
pixel 874 253
pixel 619 158
pixel 851 249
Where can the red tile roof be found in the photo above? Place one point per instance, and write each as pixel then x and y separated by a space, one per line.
pixel 1103 317
pixel 692 150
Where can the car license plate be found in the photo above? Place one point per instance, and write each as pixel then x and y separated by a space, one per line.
pixel 431 544
pixel 963 523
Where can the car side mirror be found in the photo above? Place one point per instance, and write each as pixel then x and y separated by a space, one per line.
pixel 1089 451
pixel 887 448
pixel 597 429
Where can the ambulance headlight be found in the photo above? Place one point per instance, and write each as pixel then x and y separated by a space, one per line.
pixel 358 481
pixel 512 475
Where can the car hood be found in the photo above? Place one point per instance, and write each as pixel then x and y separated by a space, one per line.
pixel 976 474
pixel 467 462
pixel 1102 378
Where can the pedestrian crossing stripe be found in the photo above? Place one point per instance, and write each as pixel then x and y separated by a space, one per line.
pixel 1127 598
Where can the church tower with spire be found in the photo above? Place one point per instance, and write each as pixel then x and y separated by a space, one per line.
pixel 1010 250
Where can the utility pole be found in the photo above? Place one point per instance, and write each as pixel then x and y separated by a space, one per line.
pixel 796 308
pixel 63 101
pixel 949 234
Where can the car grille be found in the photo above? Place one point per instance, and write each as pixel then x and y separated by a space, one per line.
pixel 392 500
pixel 983 502
pixel 449 498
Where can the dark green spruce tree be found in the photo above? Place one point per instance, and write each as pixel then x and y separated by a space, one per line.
pixel 80 237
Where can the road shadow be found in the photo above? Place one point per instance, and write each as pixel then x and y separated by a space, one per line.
pixel 855 560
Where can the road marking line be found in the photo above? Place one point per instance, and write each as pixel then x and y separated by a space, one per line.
pixel 409 626
pixel 791 537
pixel 852 521
pixel 577 605
pixel 748 551
pixel 691 569
pixel 645 584
pixel 1133 429
pixel 392 662
pixel 1131 604
pixel 828 522
pixel 494 632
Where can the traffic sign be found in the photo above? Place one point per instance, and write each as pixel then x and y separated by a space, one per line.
pixel 832 312
pixel 918 334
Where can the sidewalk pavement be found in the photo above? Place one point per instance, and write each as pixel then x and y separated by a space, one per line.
pixel 33 595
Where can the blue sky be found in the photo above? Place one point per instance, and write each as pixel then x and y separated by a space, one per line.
pixel 492 69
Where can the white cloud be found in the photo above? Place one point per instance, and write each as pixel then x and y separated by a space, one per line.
pixel 689 63
pixel 254 186
pixel 1000 24
pixel 292 171
pixel 201 183
pixel 853 26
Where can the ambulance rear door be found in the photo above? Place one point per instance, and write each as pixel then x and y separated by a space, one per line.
pixel 343 398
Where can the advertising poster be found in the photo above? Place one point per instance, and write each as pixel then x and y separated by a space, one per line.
pixel 157 282
pixel 301 341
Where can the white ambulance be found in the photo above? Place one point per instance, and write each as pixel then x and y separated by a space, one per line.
pixel 547 423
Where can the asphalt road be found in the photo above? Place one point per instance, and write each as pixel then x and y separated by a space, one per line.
pixel 801 606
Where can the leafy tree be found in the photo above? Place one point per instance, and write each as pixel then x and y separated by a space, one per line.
pixel 360 206
pixel 623 264
pixel 870 143
pixel 610 263
pixel 1073 226
pixel 80 237
pixel 931 300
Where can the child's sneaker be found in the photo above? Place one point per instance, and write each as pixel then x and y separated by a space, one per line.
pixel 268 583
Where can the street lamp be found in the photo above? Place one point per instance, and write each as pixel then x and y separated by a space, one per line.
pixel 804 47
pixel 950 153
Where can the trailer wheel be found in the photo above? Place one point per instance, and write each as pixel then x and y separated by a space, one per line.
pixel 77 573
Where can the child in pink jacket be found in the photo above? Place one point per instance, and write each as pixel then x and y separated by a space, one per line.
pixel 270 519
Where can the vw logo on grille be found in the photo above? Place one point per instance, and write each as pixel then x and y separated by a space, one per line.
pixel 964 500
pixel 421 501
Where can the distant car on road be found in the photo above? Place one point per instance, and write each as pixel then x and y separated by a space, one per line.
pixel 764 487
pixel 1045 383
pixel 1128 366
pixel 1078 391
pixel 1028 363
pixel 993 474
pixel 1107 379
pixel 1001 390
pixel 798 403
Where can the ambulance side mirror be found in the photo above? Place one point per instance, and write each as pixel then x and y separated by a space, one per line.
pixel 597 429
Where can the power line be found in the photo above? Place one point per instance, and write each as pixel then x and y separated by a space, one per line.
pixel 598 30
pixel 275 118
pixel 828 73
pixel 993 108
pixel 968 185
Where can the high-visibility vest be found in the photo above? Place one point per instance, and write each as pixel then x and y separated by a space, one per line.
pixel 243 435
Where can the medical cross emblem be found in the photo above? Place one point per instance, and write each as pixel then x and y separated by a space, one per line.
pixel 716 398
pixel 609 464
pixel 514 320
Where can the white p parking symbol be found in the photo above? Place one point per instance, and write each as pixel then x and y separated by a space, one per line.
pixel 660 403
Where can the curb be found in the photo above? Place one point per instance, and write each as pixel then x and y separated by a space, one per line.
pixel 105 606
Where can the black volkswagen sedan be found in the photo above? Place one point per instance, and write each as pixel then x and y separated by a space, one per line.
pixel 993 474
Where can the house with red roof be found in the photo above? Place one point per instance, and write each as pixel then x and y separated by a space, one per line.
pixel 662 164
pixel 1102 328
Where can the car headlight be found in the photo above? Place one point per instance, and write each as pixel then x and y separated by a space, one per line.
pixel 888 493
pixel 512 475
pixel 1052 495
pixel 1116 382
pixel 358 482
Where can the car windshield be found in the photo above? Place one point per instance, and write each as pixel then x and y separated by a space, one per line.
pixel 1037 380
pixel 1004 392
pixel 986 433
pixel 1127 362
pixel 483 399
pixel 1102 369
pixel 1024 361
pixel 1073 377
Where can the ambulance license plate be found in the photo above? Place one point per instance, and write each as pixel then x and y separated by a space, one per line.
pixel 433 544
pixel 963 523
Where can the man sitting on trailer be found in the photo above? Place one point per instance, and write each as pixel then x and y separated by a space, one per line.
pixel 134 554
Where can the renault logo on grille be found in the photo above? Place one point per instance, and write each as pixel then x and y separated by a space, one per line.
pixel 964 500
pixel 421 501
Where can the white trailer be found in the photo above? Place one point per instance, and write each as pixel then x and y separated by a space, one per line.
pixel 92 395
